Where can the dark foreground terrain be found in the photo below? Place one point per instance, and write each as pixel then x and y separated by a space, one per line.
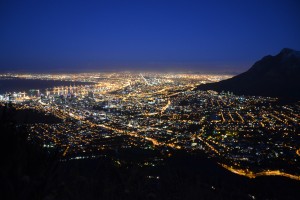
pixel 30 172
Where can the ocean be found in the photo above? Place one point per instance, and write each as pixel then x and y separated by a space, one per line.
pixel 24 85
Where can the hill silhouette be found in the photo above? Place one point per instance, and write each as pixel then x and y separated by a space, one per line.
pixel 274 76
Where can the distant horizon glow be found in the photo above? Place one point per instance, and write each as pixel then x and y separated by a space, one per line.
pixel 168 36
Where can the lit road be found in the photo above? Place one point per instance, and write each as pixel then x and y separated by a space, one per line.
pixel 165 107
pixel 251 174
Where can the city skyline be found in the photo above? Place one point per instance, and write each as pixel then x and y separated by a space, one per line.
pixel 156 111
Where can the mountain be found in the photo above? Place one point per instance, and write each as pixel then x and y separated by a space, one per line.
pixel 274 76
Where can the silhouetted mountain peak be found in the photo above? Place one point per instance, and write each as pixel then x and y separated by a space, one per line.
pixel 286 50
pixel 286 62
pixel 286 53
pixel 277 76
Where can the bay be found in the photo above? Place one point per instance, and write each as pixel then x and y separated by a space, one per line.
pixel 24 85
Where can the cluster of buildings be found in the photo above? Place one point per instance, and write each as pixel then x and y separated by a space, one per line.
pixel 164 112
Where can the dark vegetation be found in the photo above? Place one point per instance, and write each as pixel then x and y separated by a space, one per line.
pixel 30 172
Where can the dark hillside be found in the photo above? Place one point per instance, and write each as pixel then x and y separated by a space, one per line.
pixel 275 76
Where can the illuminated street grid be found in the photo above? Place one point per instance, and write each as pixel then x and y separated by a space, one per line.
pixel 247 135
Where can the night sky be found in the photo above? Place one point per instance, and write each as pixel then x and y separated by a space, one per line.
pixel 209 36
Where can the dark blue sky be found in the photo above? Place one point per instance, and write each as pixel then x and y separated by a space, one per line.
pixel 146 35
